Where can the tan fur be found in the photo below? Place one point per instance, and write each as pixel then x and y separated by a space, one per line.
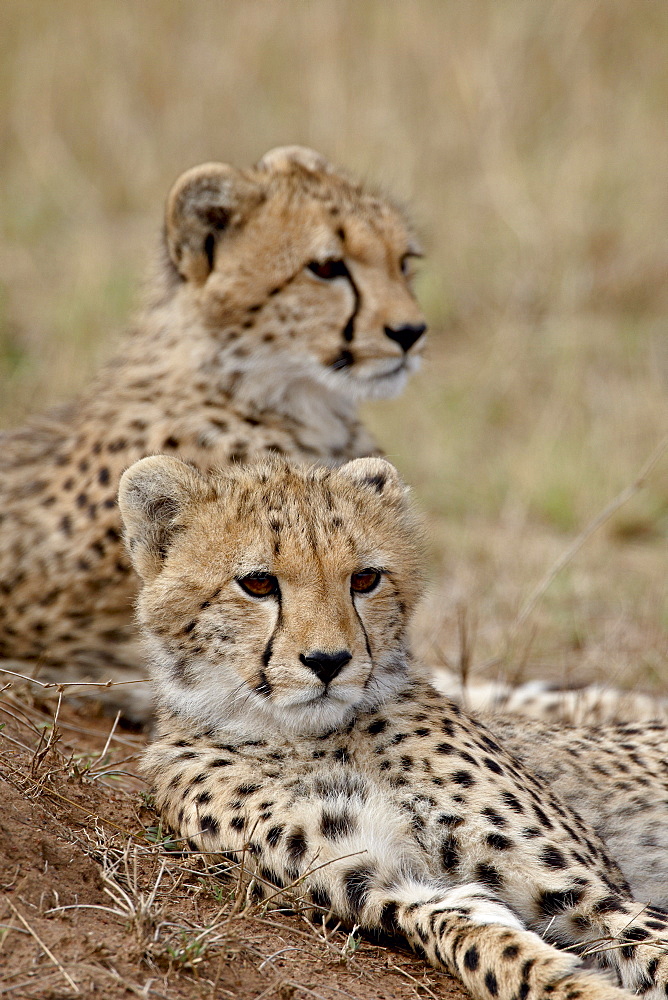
pixel 242 352
pixel 389 805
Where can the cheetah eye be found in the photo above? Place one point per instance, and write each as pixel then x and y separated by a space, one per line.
pixel 328 269
pixel 259 584
pixel 406 264
pixel 365 581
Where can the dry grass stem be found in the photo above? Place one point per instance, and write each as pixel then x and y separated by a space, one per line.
pixel 44 948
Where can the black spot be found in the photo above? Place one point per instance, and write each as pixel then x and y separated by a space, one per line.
pixel 103 476
pixel 357 883
pixel 220 762
pixel 492 765
pixel 187 629
pixel 553 858
pixel 237 823
pixel 296 845
pixel 247 789
pixel 422 731
pixel 447 819
pixel 491 983
pixel 203 797
pixel 635 934
pixel 450 853
pixel 81 500
pixel 494 817
pixel 274 835
pixel 512 802
pixel 541 817
pixel 270 876
pixel 556 901
pixel 498 842
pixel 335 825
pixel 388 918
pixel 209 824
pixel 376 727
pixel 444 748
pixel 66 525
pixel 321 897
pixel 510 951
pixel 488 875
pixel 170 442
pixel 396 739
pixel 464 778
pixel 471 959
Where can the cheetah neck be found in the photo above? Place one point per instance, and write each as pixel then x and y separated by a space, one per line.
pixel 179 369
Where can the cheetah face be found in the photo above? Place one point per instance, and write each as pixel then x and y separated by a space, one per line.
pixel 272 595
pixel 294 267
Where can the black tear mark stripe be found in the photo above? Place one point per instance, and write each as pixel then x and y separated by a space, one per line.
pixel 349 328
pixel 264 686
pixel 364 632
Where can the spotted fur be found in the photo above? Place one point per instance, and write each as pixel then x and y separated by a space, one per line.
pixel 281 301
pixel 296 732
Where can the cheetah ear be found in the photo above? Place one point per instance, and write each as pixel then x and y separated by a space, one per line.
pixel 204 203
pixel 153 496
pixel 282 159
pixel 374 474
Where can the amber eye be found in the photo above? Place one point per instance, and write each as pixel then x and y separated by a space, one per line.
pixel 365 581
pixel 259 584
pixel 329 269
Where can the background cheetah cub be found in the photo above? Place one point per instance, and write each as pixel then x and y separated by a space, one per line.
pixel 293 726
pixel 282 300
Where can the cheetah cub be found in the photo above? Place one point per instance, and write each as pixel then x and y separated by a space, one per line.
pixel 294 727
pixel 283 299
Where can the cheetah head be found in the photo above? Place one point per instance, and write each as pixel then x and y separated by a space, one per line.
pixel 294 266
pixel 273 596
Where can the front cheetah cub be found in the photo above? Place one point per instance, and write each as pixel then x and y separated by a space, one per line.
pixel 283 299
pixel 294 727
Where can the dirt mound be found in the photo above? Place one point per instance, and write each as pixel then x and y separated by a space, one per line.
pixel 97 899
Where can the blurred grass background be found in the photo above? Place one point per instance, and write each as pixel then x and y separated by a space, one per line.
pixel 531 142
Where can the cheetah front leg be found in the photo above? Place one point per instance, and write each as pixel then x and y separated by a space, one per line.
pixel 475 937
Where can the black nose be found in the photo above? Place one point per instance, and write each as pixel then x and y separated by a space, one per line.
pixel 326 665
pixel 406 336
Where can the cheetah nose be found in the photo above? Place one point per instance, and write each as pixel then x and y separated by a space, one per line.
pixel 406 336
pixel 326 665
